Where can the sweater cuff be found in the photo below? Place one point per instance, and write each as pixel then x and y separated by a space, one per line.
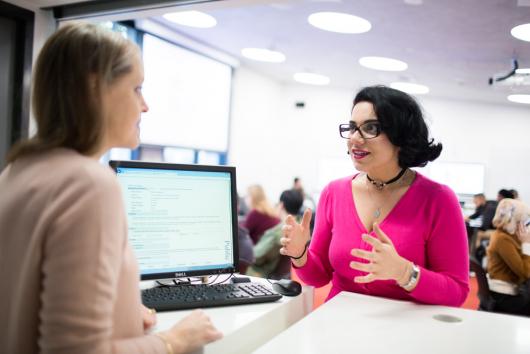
pixel 526 248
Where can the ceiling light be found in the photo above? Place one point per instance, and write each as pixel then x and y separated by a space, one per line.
pixel 382 63
pixel 311 79
pixel 408 87
pixel 192 19
pixel 523 71
pixel 261 54
pixel 339 22
pixel 521 32
pixel 519 98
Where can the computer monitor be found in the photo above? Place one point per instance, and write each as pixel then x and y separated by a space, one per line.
pixel 182 219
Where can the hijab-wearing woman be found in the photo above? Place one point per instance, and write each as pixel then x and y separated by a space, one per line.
pixel 509 257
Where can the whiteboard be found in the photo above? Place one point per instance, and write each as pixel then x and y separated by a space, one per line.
pixel 462 177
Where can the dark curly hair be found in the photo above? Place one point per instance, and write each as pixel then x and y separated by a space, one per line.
pixel 401 119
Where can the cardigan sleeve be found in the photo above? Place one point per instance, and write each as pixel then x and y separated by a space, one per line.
pixel 519 263
pixel 318 271
pixel 82 256
pixel 445 278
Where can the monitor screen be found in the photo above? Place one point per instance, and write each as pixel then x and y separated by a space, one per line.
pixel 182 219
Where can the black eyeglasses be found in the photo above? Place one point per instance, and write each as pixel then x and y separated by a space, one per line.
pixel 368 130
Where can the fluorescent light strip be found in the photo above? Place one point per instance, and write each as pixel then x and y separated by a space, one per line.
pixel 521 32
pixel 519 98
pixel 523 71
pixel 195 19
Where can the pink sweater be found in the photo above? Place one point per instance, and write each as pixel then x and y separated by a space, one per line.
pixel 426 227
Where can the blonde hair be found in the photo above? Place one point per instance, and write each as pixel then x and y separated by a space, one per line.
pixel 509 214
pixel 72 67
pixel 258 200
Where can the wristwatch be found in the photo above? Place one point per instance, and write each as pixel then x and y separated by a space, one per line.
pixel 414 276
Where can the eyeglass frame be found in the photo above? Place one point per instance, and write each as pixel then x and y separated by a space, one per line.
pixel 352 126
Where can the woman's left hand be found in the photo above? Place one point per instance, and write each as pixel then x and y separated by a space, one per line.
pixel 384 261
pixel 149 318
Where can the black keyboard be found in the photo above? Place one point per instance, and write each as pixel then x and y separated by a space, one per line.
pixel 167 298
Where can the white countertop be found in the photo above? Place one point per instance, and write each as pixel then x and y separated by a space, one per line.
pixel 353 323
pixel 246 327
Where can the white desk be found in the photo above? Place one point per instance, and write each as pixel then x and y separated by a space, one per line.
pixel 353 323
pixel 246 327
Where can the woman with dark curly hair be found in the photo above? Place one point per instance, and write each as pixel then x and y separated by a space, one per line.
pixel 386 231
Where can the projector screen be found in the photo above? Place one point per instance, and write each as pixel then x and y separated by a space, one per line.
pixel 188 96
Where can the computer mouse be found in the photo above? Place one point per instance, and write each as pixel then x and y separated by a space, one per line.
pixel 287 287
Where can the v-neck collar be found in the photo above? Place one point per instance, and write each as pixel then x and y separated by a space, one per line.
pixel 356 216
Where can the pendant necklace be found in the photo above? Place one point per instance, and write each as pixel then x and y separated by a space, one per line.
pixel 380 185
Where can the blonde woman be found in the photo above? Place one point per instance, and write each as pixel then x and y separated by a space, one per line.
pixel 509 257
pixel 262 215
pixel 69 276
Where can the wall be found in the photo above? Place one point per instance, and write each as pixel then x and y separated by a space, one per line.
pixel 493 135
pixel 44 26
pixel 272 141
pixel 7 48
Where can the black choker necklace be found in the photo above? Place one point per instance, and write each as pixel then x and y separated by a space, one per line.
pixel 380 185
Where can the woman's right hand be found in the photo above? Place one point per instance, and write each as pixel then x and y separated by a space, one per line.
pixel 192 332
pixel 523 233
pixel 296 236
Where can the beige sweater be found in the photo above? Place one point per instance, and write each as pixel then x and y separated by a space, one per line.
pixel 69 279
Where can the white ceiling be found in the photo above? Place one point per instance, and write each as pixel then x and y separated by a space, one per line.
pixel 453 46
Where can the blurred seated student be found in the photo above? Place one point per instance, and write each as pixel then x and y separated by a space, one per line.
pixel 246 254
pixel 245 244
pixel 504 193
pixel 269 263
pixel 480 204
pixel 309 202
pixel 487 227
pixel 242 208
pixel 474 220
pixel 261 216
pixel 509 258
pixel 70 281
pixel 491 207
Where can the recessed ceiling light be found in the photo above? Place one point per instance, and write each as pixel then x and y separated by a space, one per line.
pixel 382 63
pixel 521 32
pixel 339 22
pixel 261 54
pixel 192 19
pixel 523 71
pixel 408 87
pixel 519 98
pixel 311 79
